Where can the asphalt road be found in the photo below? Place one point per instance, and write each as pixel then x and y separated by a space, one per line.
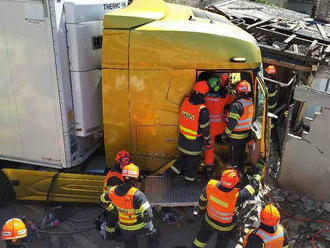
pixel 80 217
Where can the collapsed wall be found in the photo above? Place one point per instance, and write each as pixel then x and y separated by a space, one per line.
pixel 306 162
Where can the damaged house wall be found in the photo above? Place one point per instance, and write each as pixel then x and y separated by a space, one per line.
pixel 306 162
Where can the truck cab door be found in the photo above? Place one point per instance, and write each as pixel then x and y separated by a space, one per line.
pixel 260 124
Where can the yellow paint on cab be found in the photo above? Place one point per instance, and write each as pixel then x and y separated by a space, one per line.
pixel 67 187
pixel 152 51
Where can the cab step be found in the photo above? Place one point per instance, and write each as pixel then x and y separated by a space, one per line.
pixel 163 191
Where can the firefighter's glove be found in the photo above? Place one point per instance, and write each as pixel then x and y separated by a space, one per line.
pixel 208 147
pixel 146 218
pixel 259 167
pixel 140 178
pixel 255 182
pixel 198 212
pixel 103 204
pixel 209 171
pixel 225 138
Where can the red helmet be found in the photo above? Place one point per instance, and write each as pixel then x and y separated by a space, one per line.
pixel 13 229
pixel 123 157
pixel 243 87
pixel 201 87
pixel 270 215
pixel 229 178
pixel 270 69
pixel 131 170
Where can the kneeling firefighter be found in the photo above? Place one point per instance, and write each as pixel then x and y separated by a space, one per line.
pixel 134 211
pixel 221 199
pixel 270 234
pixel 194 126
pixel 113 178
pixel 14 232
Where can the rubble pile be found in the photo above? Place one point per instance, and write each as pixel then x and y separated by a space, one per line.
pixel 302 216
pixel 303 209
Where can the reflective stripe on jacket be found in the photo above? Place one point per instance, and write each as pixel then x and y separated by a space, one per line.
pixel 245 121
pixel 127 215
pixel 110 175
pixel 272 96
pixel 216 106
pixel 220 205
pixel 189 119
pixel 272 240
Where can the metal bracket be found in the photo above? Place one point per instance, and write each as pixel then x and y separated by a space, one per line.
pixel 280 83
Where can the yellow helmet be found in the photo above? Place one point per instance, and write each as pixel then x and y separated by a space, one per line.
pixel 130 170
pixel 13 229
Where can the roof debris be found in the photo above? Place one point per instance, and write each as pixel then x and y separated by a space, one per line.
pixel 286 38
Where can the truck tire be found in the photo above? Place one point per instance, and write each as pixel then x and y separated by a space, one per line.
pixel 7 194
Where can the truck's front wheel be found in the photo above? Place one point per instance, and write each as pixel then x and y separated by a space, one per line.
pixel 7 194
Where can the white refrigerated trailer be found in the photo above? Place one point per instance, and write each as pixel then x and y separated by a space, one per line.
pixel 50 92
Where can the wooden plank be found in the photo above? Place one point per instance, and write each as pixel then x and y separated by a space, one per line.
pixel 289 65
pixel 311 47
pixel 302 35
pixel 289 54
pixel 295 48
pixel 259 23
pixel 299 40
pixel 290 38
pixel 327 50
pixel 321 30
pixel 246 8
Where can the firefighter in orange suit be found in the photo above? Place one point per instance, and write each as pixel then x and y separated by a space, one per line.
pixel 113 178
pixel 216 101
pixel 218 204
pixel 194 127
pixel 14 232
pixel 134 211
pixel 239 123
pixel 270 233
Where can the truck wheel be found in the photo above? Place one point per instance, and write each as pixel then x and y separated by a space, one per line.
pixel 7 194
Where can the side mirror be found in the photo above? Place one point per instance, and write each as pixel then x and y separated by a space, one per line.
pixel 256 130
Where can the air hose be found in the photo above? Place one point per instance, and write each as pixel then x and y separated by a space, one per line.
pixel 283 211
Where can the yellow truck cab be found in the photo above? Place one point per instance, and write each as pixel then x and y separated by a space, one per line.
pixel 152 54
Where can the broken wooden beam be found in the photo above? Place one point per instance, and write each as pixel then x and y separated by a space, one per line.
pixel 276 34
pixel 289 65
pixel 321 30
pixel 302 35
pixel 289 54
pixel 311 47
pixel 259 23
pixel 295 48
pixel 327 50
pixel 290 38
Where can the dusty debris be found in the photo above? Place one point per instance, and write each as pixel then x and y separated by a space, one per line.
pixel 295 38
